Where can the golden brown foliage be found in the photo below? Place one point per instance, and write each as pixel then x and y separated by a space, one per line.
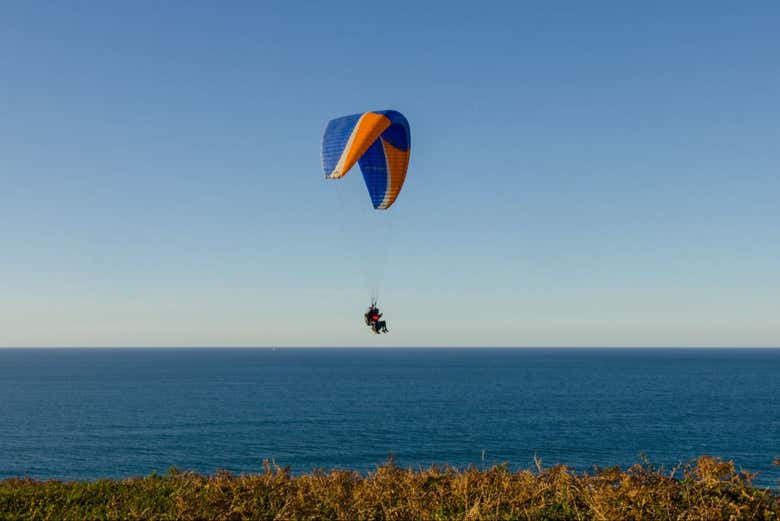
pixel 709 490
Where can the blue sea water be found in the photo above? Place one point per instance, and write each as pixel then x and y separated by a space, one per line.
pixel 89 413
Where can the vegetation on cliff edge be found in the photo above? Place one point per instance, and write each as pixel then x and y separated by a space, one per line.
pixel 707 490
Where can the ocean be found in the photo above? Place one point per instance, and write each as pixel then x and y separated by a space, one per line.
pixel 92 413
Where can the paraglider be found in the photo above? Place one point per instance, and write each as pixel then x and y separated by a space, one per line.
pixel 380 142
pixel 372 318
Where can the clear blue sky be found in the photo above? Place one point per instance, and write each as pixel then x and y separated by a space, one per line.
pixel 581 174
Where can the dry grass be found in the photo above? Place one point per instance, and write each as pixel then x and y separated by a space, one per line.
pixel 708 490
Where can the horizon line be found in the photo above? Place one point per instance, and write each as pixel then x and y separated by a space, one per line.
pixel 181 346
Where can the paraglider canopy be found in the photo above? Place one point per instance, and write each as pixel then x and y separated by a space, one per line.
pixel 379 142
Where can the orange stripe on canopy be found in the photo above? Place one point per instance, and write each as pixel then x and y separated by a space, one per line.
pixel 397 162
pixel 368 129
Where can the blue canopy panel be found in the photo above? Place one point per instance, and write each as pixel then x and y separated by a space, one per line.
pixel 334 140
pixel 373 164
pixel 398 132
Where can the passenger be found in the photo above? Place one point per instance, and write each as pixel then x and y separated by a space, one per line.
pixel 373 319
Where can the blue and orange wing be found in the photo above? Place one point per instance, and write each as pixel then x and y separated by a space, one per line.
pixel 379 142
